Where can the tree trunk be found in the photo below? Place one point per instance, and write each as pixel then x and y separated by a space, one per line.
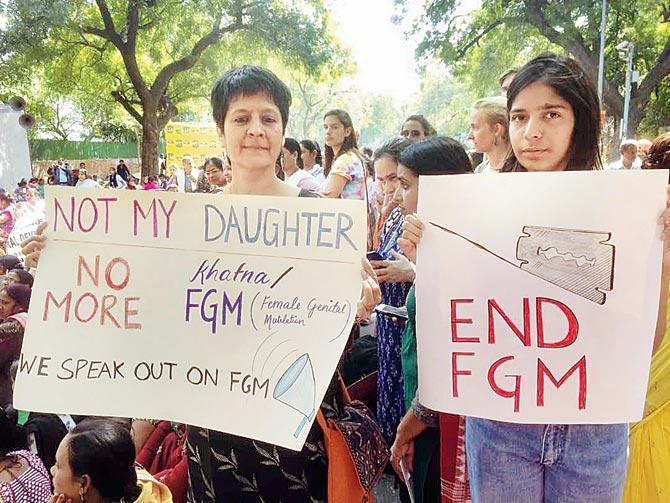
pixel 150 137
pixel 638 105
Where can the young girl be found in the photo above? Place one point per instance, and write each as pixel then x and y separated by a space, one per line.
pixel 343 165
pixel 554 126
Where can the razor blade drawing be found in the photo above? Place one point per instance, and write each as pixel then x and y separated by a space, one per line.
pixel 579 261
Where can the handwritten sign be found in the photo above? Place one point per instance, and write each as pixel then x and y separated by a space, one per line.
pixel 225 312
pixel 537 294
pixel 28 218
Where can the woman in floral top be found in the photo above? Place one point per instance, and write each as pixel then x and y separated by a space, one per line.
pixel 343 165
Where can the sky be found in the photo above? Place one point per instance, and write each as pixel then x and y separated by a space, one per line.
pixel 384 56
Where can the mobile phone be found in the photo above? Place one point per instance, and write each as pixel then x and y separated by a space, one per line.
pixel 408 480
pixel 398 312
pixel 373 255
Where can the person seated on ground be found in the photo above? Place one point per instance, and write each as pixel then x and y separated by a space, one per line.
pixel 629 159
pixel 85 182
pixel 161 449
pixel 20 276
pixel 44 432
pixel 8 263
pixel 95 463
pixel 14 301
pixel 151 184
pixel 20 191
pixel 115 180
pixel 6 217
pixel 132 183
pixel 23 477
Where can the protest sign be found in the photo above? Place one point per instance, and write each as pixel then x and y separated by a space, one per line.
pixel 195 140
pixel 537 294
pixel 226 312
pixel 28 218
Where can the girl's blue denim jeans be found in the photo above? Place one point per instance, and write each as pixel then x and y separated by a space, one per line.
pixel 546 463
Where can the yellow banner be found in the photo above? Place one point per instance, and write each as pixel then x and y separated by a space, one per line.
pixel 196 140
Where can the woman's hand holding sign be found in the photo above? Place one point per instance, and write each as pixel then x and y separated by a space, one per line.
pixel 33 246
pixel 412 231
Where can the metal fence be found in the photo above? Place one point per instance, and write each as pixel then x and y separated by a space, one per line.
pixel 49 150
pixel 43 150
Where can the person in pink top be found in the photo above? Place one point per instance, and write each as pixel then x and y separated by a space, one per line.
pixel 6 217
pixel 23 477
pixel 151 184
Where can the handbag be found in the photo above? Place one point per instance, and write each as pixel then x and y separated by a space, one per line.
pixel 357 452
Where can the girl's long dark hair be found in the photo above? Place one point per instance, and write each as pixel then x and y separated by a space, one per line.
pixel 293 146
pixel 436 155
pixel 104 450
pixel 312 145
pixel 571 83
pixel 350 142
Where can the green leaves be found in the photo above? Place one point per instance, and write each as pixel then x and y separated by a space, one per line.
pixel 480 44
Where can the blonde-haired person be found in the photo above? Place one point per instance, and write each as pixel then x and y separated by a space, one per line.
pixel 488 132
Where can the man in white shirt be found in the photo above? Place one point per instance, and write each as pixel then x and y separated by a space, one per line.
pixel 85 182
pixel 187 178
pixel 629 158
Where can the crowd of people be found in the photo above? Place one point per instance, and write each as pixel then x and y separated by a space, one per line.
pixel 547 119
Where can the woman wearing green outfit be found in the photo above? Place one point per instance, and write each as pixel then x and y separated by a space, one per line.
pixel 419 440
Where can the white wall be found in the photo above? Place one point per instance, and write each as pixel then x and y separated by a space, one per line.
pixel 14 153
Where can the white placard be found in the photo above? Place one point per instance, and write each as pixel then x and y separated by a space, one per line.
pixel 537 294
pixel 226 312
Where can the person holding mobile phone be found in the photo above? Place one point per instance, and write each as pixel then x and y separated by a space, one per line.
pixel 398 275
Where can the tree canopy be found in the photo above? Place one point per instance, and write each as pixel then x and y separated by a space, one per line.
pixel 150 56
pixel 481 44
